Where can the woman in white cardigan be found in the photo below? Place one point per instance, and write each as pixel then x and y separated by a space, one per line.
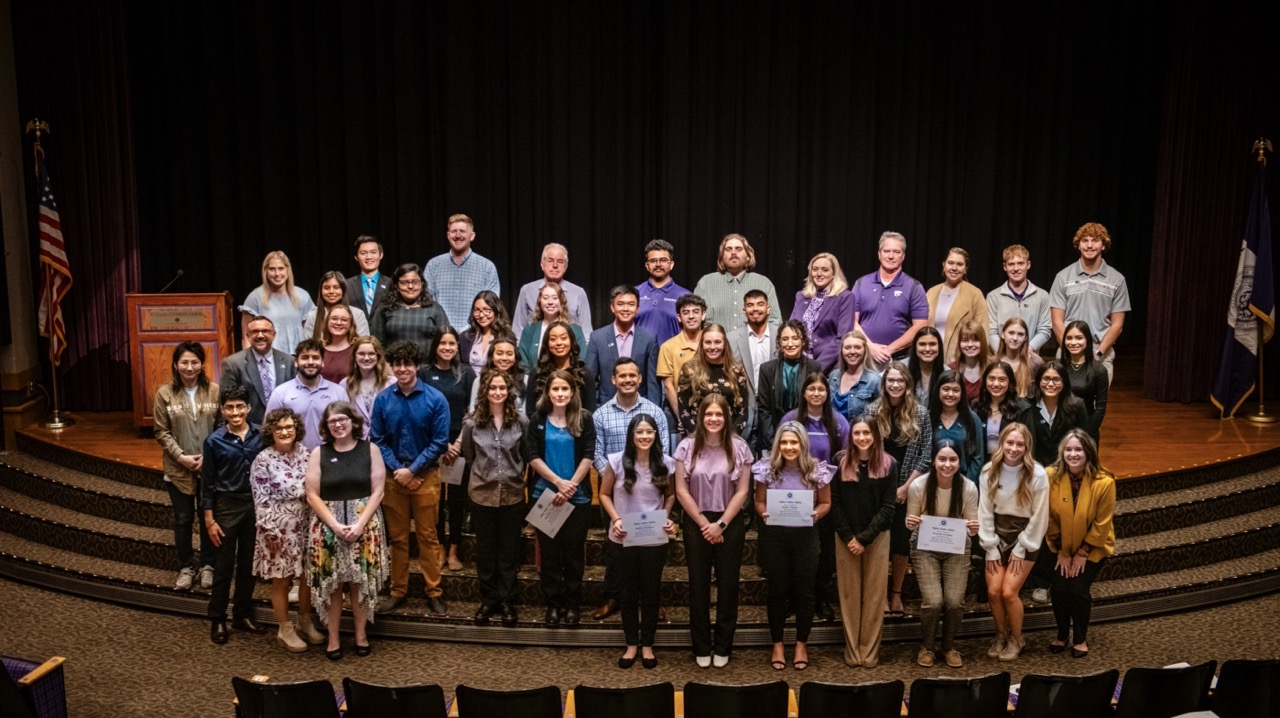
pixel 1013 514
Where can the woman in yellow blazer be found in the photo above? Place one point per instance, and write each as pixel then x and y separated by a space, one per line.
pixel 1082 503
pixel 955 302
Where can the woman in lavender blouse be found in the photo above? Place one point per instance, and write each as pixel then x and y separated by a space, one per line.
pixel 825 307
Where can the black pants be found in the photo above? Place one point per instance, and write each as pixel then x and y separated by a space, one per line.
pixel 184 512
pixel 563 560
pixel 826 569
pixel 1043 570
pixel 639 573
pixel 726 559
pixel 454 504
pixel 1072 603
pixel 235 516
pixel 790 554
pixel 612 584
pixel 497 550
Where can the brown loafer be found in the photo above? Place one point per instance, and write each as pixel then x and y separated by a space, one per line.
pixel 608 608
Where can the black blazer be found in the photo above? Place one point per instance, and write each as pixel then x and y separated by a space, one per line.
pixel 584 447
pixel 241 369
pixel 1047 437
pixel 769 408
pixel 355 293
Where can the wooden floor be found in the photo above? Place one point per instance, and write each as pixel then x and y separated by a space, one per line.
pixel 1140 437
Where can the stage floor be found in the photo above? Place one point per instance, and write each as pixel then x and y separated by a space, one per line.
pixel 1140 436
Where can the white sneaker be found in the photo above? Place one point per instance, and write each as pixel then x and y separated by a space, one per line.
pixel 206 577
pixel 703 661
pixel 185 578
pixel 719 661
pixel 1040 595
pixel 293 595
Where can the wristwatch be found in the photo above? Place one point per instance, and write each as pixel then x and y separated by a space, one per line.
pixel 722 525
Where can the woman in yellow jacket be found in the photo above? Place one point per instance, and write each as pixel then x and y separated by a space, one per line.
pixel 1082 502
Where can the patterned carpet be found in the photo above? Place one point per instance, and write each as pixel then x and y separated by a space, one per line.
pixel 130 663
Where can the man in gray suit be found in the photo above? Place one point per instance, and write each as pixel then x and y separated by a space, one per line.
pixel 258 362
pixel 365 290
pixel 623 338
pixel 753 344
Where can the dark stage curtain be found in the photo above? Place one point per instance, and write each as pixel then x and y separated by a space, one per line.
pixel 806 126
pixel 73 73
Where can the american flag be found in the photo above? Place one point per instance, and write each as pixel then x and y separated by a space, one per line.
pixel 55 273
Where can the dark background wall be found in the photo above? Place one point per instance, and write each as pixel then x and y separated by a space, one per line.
pixel 230 129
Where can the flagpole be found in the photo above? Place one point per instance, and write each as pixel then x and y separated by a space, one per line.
pixel 1260 416
pixel 55 420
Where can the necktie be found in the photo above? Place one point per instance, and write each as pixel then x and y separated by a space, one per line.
pixel 268 383
pixel 369 286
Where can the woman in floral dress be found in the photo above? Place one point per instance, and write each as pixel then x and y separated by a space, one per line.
pixel 345 481
pixel 283 519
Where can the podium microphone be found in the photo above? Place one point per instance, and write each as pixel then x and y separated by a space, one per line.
pixel 176 277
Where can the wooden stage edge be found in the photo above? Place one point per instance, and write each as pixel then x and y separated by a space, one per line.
pixel 1140 436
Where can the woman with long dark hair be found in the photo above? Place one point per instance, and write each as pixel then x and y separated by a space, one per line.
pixel 713 479
pixel 185 412
pixel 448 374
pixel 505 357
pixel 1052 411
pixel 1087 376
pixel 953 420
pixel 925 362
pixel 638 479
pixel 998 402
pixel 942 577
pixel 409 312
pixel 488 321
pixel 778 389
pixel 791 552
pixel 561 351
pixel 332 293
pixel 561 442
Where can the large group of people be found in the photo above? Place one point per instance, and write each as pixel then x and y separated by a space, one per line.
pixel 417 401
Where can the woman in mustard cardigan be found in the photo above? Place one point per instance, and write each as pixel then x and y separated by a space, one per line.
pixel 955 302
pixel 1082 502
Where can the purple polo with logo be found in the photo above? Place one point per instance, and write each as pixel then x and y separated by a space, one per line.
pixel 886 313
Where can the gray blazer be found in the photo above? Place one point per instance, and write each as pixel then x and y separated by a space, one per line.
pixel 241 369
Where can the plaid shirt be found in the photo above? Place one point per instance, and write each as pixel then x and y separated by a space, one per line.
pixel 455 286
pixel 611 427
pixel 724 293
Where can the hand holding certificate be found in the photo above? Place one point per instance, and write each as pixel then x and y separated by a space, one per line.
pixel 452 473
pixel 647 528
pixel 944 535
pixel 789 507
pixel 546 516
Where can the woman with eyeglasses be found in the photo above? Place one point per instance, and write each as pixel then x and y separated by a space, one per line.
pixel 333 293
pixel 489 320
pixel 276 479
pixel 409 312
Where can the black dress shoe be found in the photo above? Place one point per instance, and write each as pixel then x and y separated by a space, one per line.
pixel 571 618
pixel 625 663
pixel 509 616
pixel 482 614
pixel 553 617
pixel 649 663
pixel 335 654
pixel 437 606
pixel 364 650
pixel 248 625
pixel 218 632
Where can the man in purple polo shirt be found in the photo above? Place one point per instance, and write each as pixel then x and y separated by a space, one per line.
pixel 659 293
pixel 889 306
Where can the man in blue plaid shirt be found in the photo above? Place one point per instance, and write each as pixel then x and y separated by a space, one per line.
pixel 457 276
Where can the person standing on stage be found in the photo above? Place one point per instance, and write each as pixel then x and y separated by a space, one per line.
pixel 447 373
pixel 682 347
pixel 409 312
pixel 726 288
pixel 258 367
pixel 1091 290
pixel 227 502
pixel 1019 297
pixel 457 276
pixel 365 290
pixel 576 309
pixel 659 293
pixel 888 305
pixel 279 299
pixel 411 428
pixel 954 302
pixel 309 393
pixel 824 307
pixel 622 338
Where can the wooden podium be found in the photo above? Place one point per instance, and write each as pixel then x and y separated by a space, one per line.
pixel 157 323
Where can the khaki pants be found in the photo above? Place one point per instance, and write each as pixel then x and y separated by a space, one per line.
pixel 422 507
pixel 861 582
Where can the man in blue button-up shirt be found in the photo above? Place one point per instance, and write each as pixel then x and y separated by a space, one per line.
pixel 410 424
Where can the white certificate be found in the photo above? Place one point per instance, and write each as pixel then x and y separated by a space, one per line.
pixel 790 507
pixel 944 535
pixel 546 516
pixel 452 474
pixel 644 528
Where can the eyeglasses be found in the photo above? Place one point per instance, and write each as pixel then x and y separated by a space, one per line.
pixel 261 331
pixel 339 421
pixel 659 260
pixel 482 310
pixel 409 283
pixel 1051 380
pixel 236 407
pixel 289 429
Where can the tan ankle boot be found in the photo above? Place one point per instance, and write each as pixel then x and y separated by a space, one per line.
pixel 288 638
pixel 308 631
pixel 997 645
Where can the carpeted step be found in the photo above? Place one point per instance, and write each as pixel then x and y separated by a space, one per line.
pixel 1171 510
pixel 86 493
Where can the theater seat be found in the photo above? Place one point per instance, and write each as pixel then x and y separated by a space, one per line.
pixel 33 689
pixel 531 703
pixel 369 700
pixel 983 697
pixel 1164 692
pixel 304 699
pixel 714 700
pixel 655 701
pixel 840 700
pixel 1086 696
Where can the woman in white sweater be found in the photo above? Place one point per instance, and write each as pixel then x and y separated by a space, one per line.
pixel 1013 513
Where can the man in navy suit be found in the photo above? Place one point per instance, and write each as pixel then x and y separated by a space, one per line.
pixel 248 367
pixel 365 290
pixel 623 338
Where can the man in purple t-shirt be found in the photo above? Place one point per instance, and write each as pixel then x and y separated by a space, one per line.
pixel 888 305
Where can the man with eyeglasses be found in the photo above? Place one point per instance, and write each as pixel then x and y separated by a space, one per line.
pixel 227 503
pixel 457 276
pixel 258 368
pixel 410 425
pixel 555 262
pixel 659 293
pixel 309 393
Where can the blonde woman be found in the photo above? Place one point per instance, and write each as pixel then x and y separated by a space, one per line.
pixel 713 370
pixel 1013 514
pixel 280 301
pixel 369 374
pixel 825 307
pixel 854 383
pixel 1015 351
